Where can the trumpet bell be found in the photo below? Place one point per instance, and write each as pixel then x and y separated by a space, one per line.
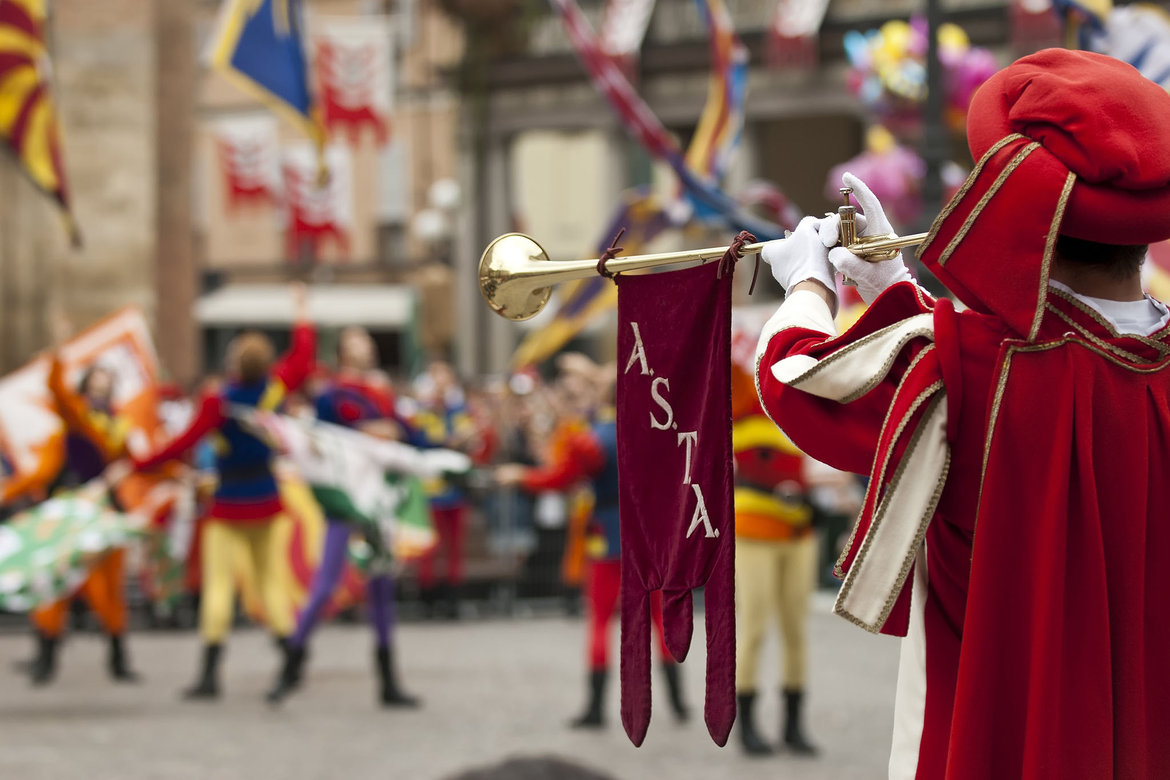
pixel 506 276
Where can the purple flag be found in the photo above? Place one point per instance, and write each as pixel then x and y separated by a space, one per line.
pixel 674 453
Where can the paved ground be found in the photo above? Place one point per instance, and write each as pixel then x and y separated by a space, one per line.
pixel 494 689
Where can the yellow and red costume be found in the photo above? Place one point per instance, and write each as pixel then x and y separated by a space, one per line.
pixel 775 553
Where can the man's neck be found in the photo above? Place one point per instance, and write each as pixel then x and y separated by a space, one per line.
pixel 1093 283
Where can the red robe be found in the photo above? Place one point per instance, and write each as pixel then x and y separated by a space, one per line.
pixel 1038 637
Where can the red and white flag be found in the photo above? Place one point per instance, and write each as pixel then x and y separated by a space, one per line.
pixel 354 65
pixel 1035 25
pixel 792 35
pixel 623 28
pixel 674 456
pixel 248 149
pixel 316 213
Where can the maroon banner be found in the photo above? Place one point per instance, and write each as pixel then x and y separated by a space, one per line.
pixel 674 456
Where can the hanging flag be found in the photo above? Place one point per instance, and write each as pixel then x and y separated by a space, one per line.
pixel 644 219
pixel 645 127
pixel 354 67
pixel 674 455
pixel 623 28
pixel 248 149
pixel 793 32
pixel 1034 26
pixel 28 120
pixel 259 45
pixel 316 212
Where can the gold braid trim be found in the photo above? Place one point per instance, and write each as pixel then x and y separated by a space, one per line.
pixel 936 226
pixel 983 201
pixel 922 523
pixel 1049 246
pixel 878 469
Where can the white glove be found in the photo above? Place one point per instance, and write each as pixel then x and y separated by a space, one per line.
pixel 871 278
pixel 804 253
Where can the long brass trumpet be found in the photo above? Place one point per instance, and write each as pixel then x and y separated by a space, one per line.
pixel 516 276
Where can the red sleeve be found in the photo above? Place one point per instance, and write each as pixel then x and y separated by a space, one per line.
pixel 294 366
pixel 209 417
pixel 844 436
pixel 581 458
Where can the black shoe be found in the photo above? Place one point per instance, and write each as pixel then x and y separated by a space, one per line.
pixel 208 685
pixel 120 670
pixel 389 693
pixel 290 672
pixel 674 685
pixel 592 717
pixel 794 739
pixel 748 736
pixel 44 666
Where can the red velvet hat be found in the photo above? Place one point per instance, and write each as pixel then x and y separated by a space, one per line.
pixel 1067 142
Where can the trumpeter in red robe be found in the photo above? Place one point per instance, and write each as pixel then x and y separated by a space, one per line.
pixel 1016 526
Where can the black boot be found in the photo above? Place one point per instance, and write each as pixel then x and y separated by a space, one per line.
pixel 748 736
pixel 794 738
pixel 44 666
pixel 674 684
pixel 452 597
pixel 290 672
pixel 208 685
pixel 592 717
pixel 119 667
pixel 389 693
pixel 427 599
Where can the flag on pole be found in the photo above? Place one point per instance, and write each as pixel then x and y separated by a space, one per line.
pixel 28 120
pixel 260 46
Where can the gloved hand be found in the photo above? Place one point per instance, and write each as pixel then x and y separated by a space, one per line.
pixel 804 254
pixel 871 278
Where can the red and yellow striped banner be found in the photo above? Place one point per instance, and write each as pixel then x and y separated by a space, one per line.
pixel 28 119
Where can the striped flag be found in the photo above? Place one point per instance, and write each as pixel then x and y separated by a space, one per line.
pixel 28 119
pixel 721 123
pixel 641 123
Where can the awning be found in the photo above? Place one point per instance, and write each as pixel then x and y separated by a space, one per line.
pixel 377 306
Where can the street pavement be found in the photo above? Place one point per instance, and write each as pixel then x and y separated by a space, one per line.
pixel 494 689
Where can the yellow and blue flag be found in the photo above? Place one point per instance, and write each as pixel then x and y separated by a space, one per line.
pixel 260 46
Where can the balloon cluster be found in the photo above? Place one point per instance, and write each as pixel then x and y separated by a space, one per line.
pixel 895 174
pixel 888 71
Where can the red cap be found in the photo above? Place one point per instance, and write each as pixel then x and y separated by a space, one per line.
pixel 1068 142
pixel 1103 121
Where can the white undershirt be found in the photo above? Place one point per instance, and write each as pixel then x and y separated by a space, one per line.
pixel 1134 317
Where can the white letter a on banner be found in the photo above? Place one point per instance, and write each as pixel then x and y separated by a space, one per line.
pixel 638 355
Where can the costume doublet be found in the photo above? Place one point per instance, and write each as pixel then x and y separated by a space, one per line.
pixel 1015 527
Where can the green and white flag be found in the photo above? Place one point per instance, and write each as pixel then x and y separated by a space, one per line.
pixel 373 483
pixel 47 550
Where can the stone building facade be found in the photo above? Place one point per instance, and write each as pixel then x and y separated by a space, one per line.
pixel 136 102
